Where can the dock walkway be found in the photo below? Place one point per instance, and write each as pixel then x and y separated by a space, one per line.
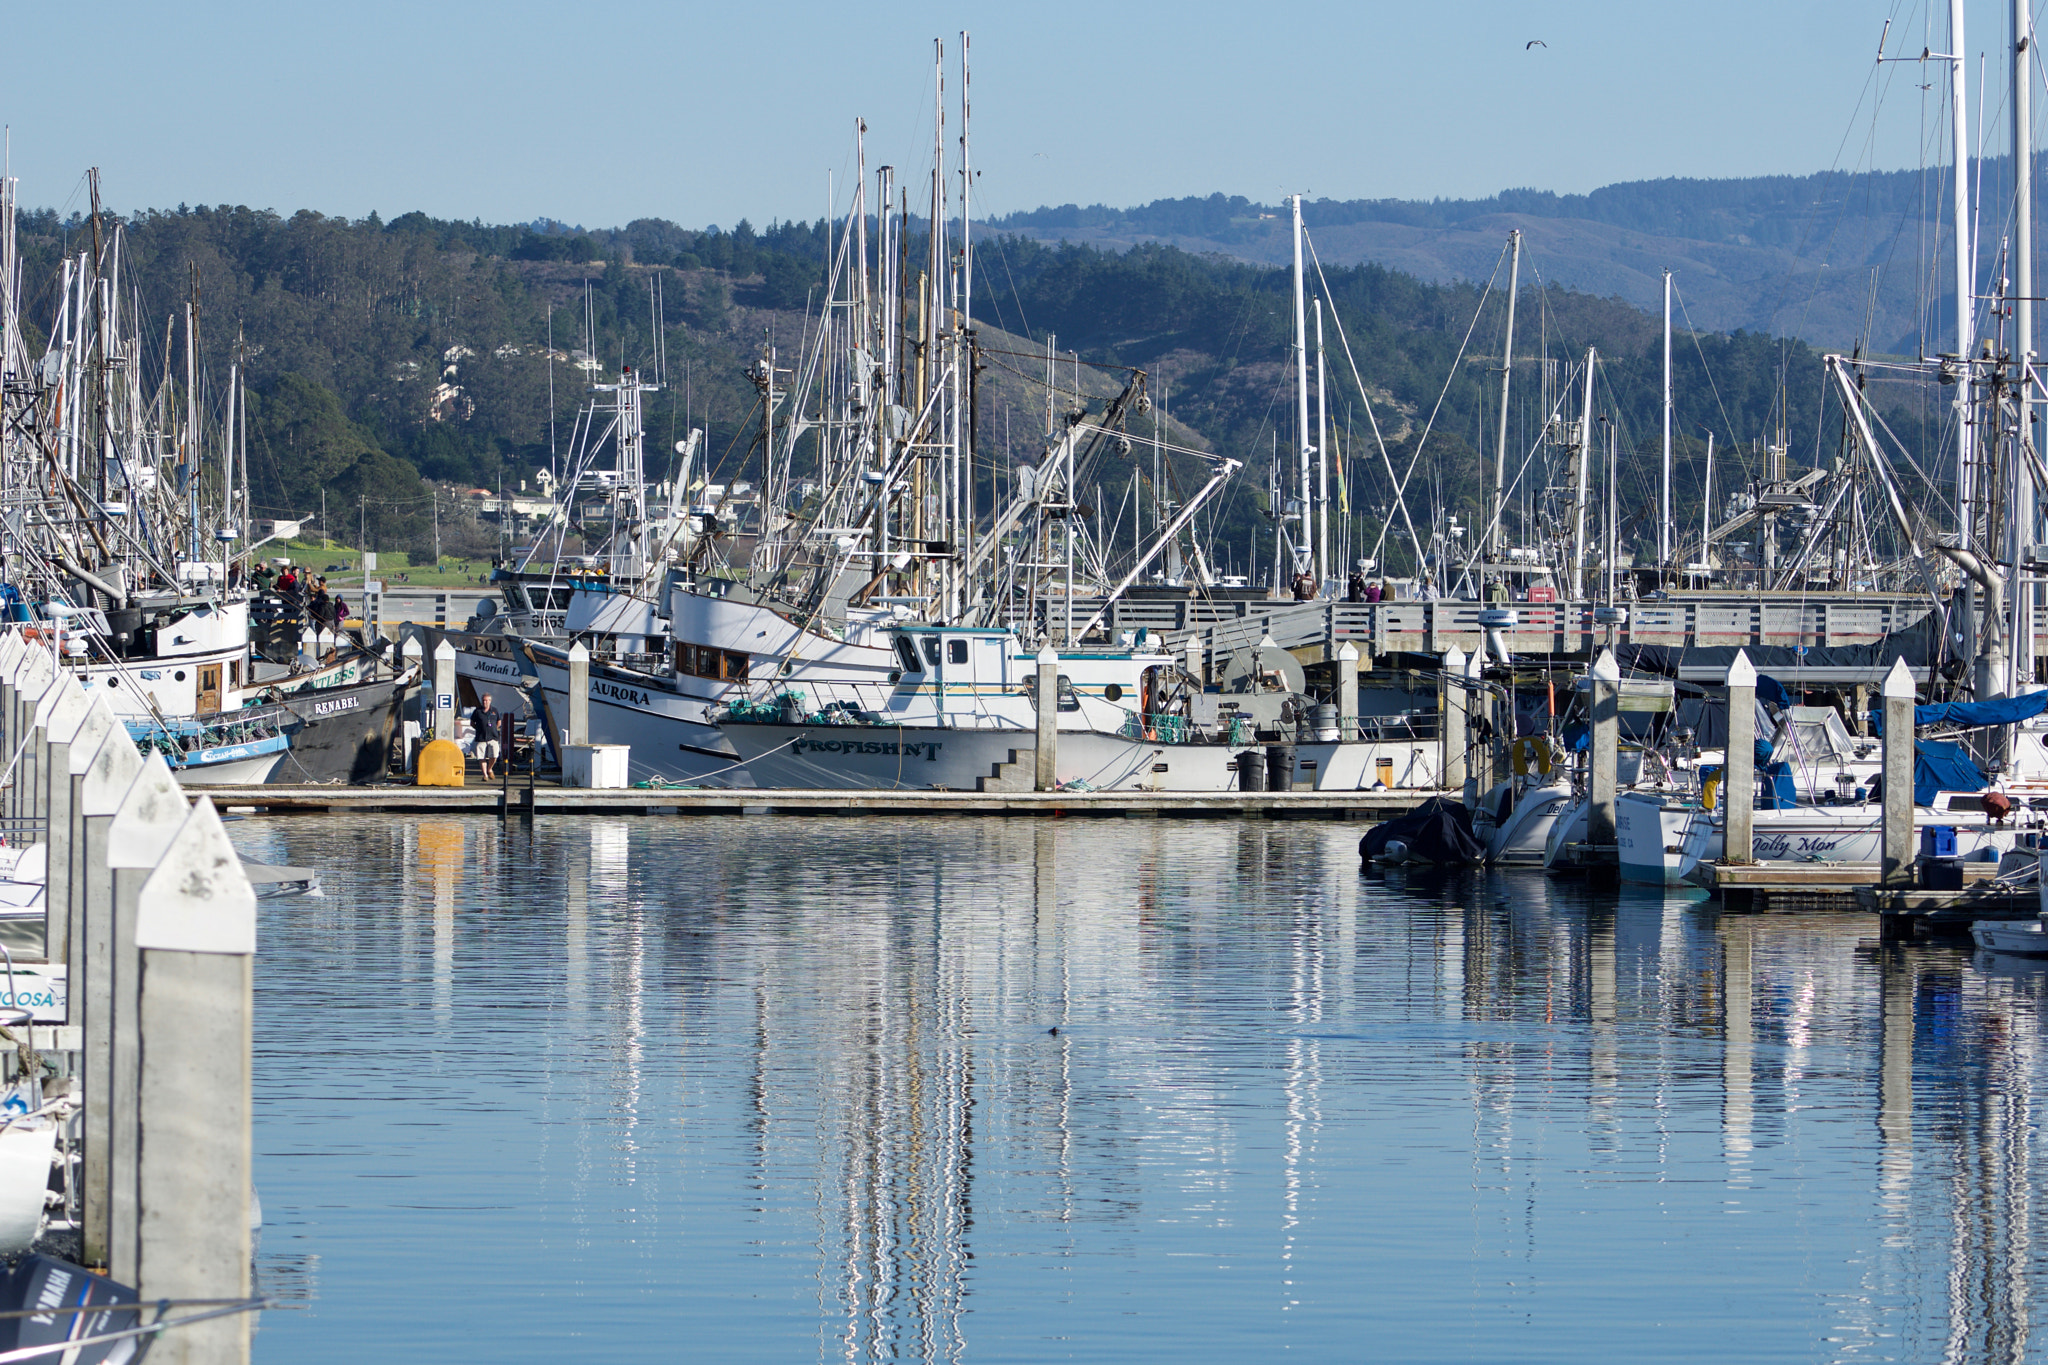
pixel 554 800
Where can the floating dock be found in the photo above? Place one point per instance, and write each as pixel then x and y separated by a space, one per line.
pixel 1779 888
pixel 519 799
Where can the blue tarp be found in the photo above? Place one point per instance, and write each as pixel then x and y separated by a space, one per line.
pixel 1772 692
pixel 1939 766
pixel 2002 711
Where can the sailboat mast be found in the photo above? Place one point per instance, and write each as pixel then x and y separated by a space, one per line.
pixel 2024 509
pixel 1494 536
pixel 1583 484
pixel 1301 372
pixel 1965 329
pixel 1323 569
pixel 1664 490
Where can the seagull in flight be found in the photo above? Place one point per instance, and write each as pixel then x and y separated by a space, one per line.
pixel 1535 42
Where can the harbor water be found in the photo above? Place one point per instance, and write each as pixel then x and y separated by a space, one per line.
pixel 790 1089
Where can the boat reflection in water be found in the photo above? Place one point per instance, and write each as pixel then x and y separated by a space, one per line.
pixel 949 1089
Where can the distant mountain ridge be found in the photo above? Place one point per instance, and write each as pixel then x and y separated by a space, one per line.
pixel 1785 255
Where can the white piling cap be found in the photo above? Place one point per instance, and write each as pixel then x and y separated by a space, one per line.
pixel 149 815
pixel 1047 655
pixel 1742 673
pixel 11 646
pixel 92 733
pixel 411 648
pixel 1475 667
pixel 1605 668
pixel 1899 682
pixel 1454 660
pixel 63 714
pixel 1348 652
pixel 579 653
pixel 111 772
pixel 36 670
pixel 198 900
pixel 444 651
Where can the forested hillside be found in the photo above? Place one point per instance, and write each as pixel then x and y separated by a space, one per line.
pixel 381 354
pixel 1837 258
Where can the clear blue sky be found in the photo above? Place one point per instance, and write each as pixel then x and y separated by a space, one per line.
pixel 705 113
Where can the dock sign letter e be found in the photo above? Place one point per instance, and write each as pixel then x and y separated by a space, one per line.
pixel 447 702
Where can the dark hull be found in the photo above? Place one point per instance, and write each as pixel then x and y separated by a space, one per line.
pixel 344 733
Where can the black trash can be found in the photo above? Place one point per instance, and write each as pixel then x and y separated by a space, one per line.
pixel 1280 768
pixel 1251 771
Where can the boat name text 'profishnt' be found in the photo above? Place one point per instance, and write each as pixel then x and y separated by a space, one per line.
pixel 927 748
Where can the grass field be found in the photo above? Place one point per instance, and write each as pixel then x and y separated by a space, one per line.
pixel 342 566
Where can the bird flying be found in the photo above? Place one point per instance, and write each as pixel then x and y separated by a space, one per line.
pixel 1534 42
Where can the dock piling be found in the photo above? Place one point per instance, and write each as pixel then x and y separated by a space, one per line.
pixel 1454 767
pixel 195 940
pixel 66 717
pixel 1347 691
pixel 1045 754
pixel 1897 857
pixel 114 768
pixel 148 819
pixel 579 696
pixel 1738 771
pixel 1605 759
pixel 444 690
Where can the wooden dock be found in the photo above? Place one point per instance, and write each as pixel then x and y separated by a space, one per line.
pixel 555 800
pixel 1780 888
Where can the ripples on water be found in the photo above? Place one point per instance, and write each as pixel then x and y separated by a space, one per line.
pixel 784 1089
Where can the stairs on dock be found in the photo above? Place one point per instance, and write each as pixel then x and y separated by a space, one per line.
pixel 1007 776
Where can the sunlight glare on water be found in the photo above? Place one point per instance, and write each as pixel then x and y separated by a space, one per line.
pixel 786 1088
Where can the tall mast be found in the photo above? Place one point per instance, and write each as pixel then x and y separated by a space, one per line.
pixel 1321 455
pixel 1494 534
pixel 1301 374
pixel 2023 514
pixel 1583 484
pixel 1664 494
pixel 2022 191
pixel 1965 272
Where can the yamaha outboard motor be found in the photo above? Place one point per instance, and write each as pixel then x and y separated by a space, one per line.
pixel 76 1304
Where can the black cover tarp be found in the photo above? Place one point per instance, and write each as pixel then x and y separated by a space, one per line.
pixel 1437 831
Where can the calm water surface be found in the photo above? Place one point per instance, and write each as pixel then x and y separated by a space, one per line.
pixel 787 1089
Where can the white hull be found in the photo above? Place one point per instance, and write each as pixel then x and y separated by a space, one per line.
pixel 668 734
pixel 1524 835
pixel 2025 938
pixel 1823 834
pixel 1649 836
pixel 231 771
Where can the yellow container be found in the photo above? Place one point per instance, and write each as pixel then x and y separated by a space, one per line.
pixel 441 764
pixel 1710 791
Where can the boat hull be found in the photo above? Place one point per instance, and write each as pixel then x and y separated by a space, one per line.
pixel 344 734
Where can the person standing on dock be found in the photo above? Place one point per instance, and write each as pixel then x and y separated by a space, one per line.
pixel 485 720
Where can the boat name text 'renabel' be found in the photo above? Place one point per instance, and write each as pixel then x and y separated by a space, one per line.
pixel 928 749
pixel 333 704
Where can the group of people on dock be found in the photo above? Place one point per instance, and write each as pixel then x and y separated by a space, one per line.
pixel 325 610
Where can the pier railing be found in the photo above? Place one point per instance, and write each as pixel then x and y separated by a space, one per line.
pixel 1432 626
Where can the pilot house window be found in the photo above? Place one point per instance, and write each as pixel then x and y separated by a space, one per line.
pixel 707 661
